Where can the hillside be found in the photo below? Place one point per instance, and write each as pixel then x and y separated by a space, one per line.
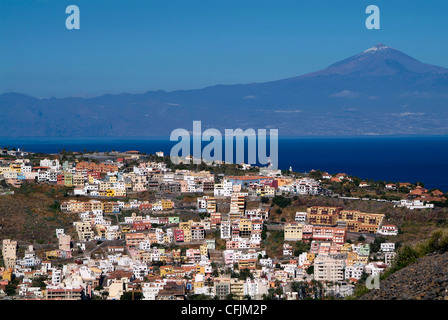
pixel 32 214
pixel 426 279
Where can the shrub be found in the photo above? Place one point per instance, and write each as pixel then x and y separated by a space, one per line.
pixel 281 201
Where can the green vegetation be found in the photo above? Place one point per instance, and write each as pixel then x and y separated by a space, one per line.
pixel 436 243
pixel 281 201
pixel 300 247
pixel 26 188
pixel 242 275
pixel 199 297
pixel 56 206
pixel 316 174
pixel 312 290
pixel 3 184
pixel 273 294
pixel 39 282
pixel 274 242
pixel 10 290
pixel 310 270
pixel 132 295
pixel 376 245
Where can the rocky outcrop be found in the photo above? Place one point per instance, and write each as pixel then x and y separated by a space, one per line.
pixel 427 279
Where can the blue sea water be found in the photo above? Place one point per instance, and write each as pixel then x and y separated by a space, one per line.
pixel 405 159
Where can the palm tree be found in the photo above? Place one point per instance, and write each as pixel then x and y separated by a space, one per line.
pixel 104 295
pixel 139 289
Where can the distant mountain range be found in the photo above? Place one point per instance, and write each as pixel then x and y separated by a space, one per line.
pixel 380 91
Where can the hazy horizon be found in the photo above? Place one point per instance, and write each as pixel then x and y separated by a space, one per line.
pixel 146 46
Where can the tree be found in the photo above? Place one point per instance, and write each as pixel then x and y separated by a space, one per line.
pixel 300 247
pixel 376 245
pixel 281 201
pixel 245 273
pixel 361 238
pixel 198 297
pixel 265 200
pixel 128 295
pixel 231 296
pixel 264 232
pixel 39 282
pixel 10 290
pixel 310 270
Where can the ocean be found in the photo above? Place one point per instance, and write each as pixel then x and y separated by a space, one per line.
pixel 405 159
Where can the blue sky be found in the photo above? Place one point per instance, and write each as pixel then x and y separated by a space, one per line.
pixel 136 46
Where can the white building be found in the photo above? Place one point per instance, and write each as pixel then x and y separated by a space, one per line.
pixel 414 204
pixel 327 268
pixel 387 247
pixel 354 271
pixel 300 217
pixel 226 229
pixel 388 230
pixel 223 189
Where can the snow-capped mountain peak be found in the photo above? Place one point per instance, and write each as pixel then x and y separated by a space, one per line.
pixel 376 48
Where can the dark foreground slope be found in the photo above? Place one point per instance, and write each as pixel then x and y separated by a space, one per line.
pixel 427 279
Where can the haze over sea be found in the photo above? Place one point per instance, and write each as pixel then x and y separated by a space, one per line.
pixel 405 159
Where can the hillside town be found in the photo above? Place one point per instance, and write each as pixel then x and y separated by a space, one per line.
pixel 145 230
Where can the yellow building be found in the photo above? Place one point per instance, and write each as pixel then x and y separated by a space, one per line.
pixel 3 170
pixel 78 180
pixel 7 275
pixel 68 179
pixel 247 264
pixel 293 231
pixel 187 235
pixel 53 254
pixel 100 230
pixel 16 167
pixel 120 192
pixel 361 222
pixel 198 284
pixel 284 181
pixel 211 205
pixel 204 249
pixel 167 204
pixel 84 231
pixel 346 248
pixel 325 216
pixel 237 288
pixel 245 226
pixel 165 270
pixel 9 253
pixel 200 269
pixel 185 225
pixel 352 258
pixel 310 257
